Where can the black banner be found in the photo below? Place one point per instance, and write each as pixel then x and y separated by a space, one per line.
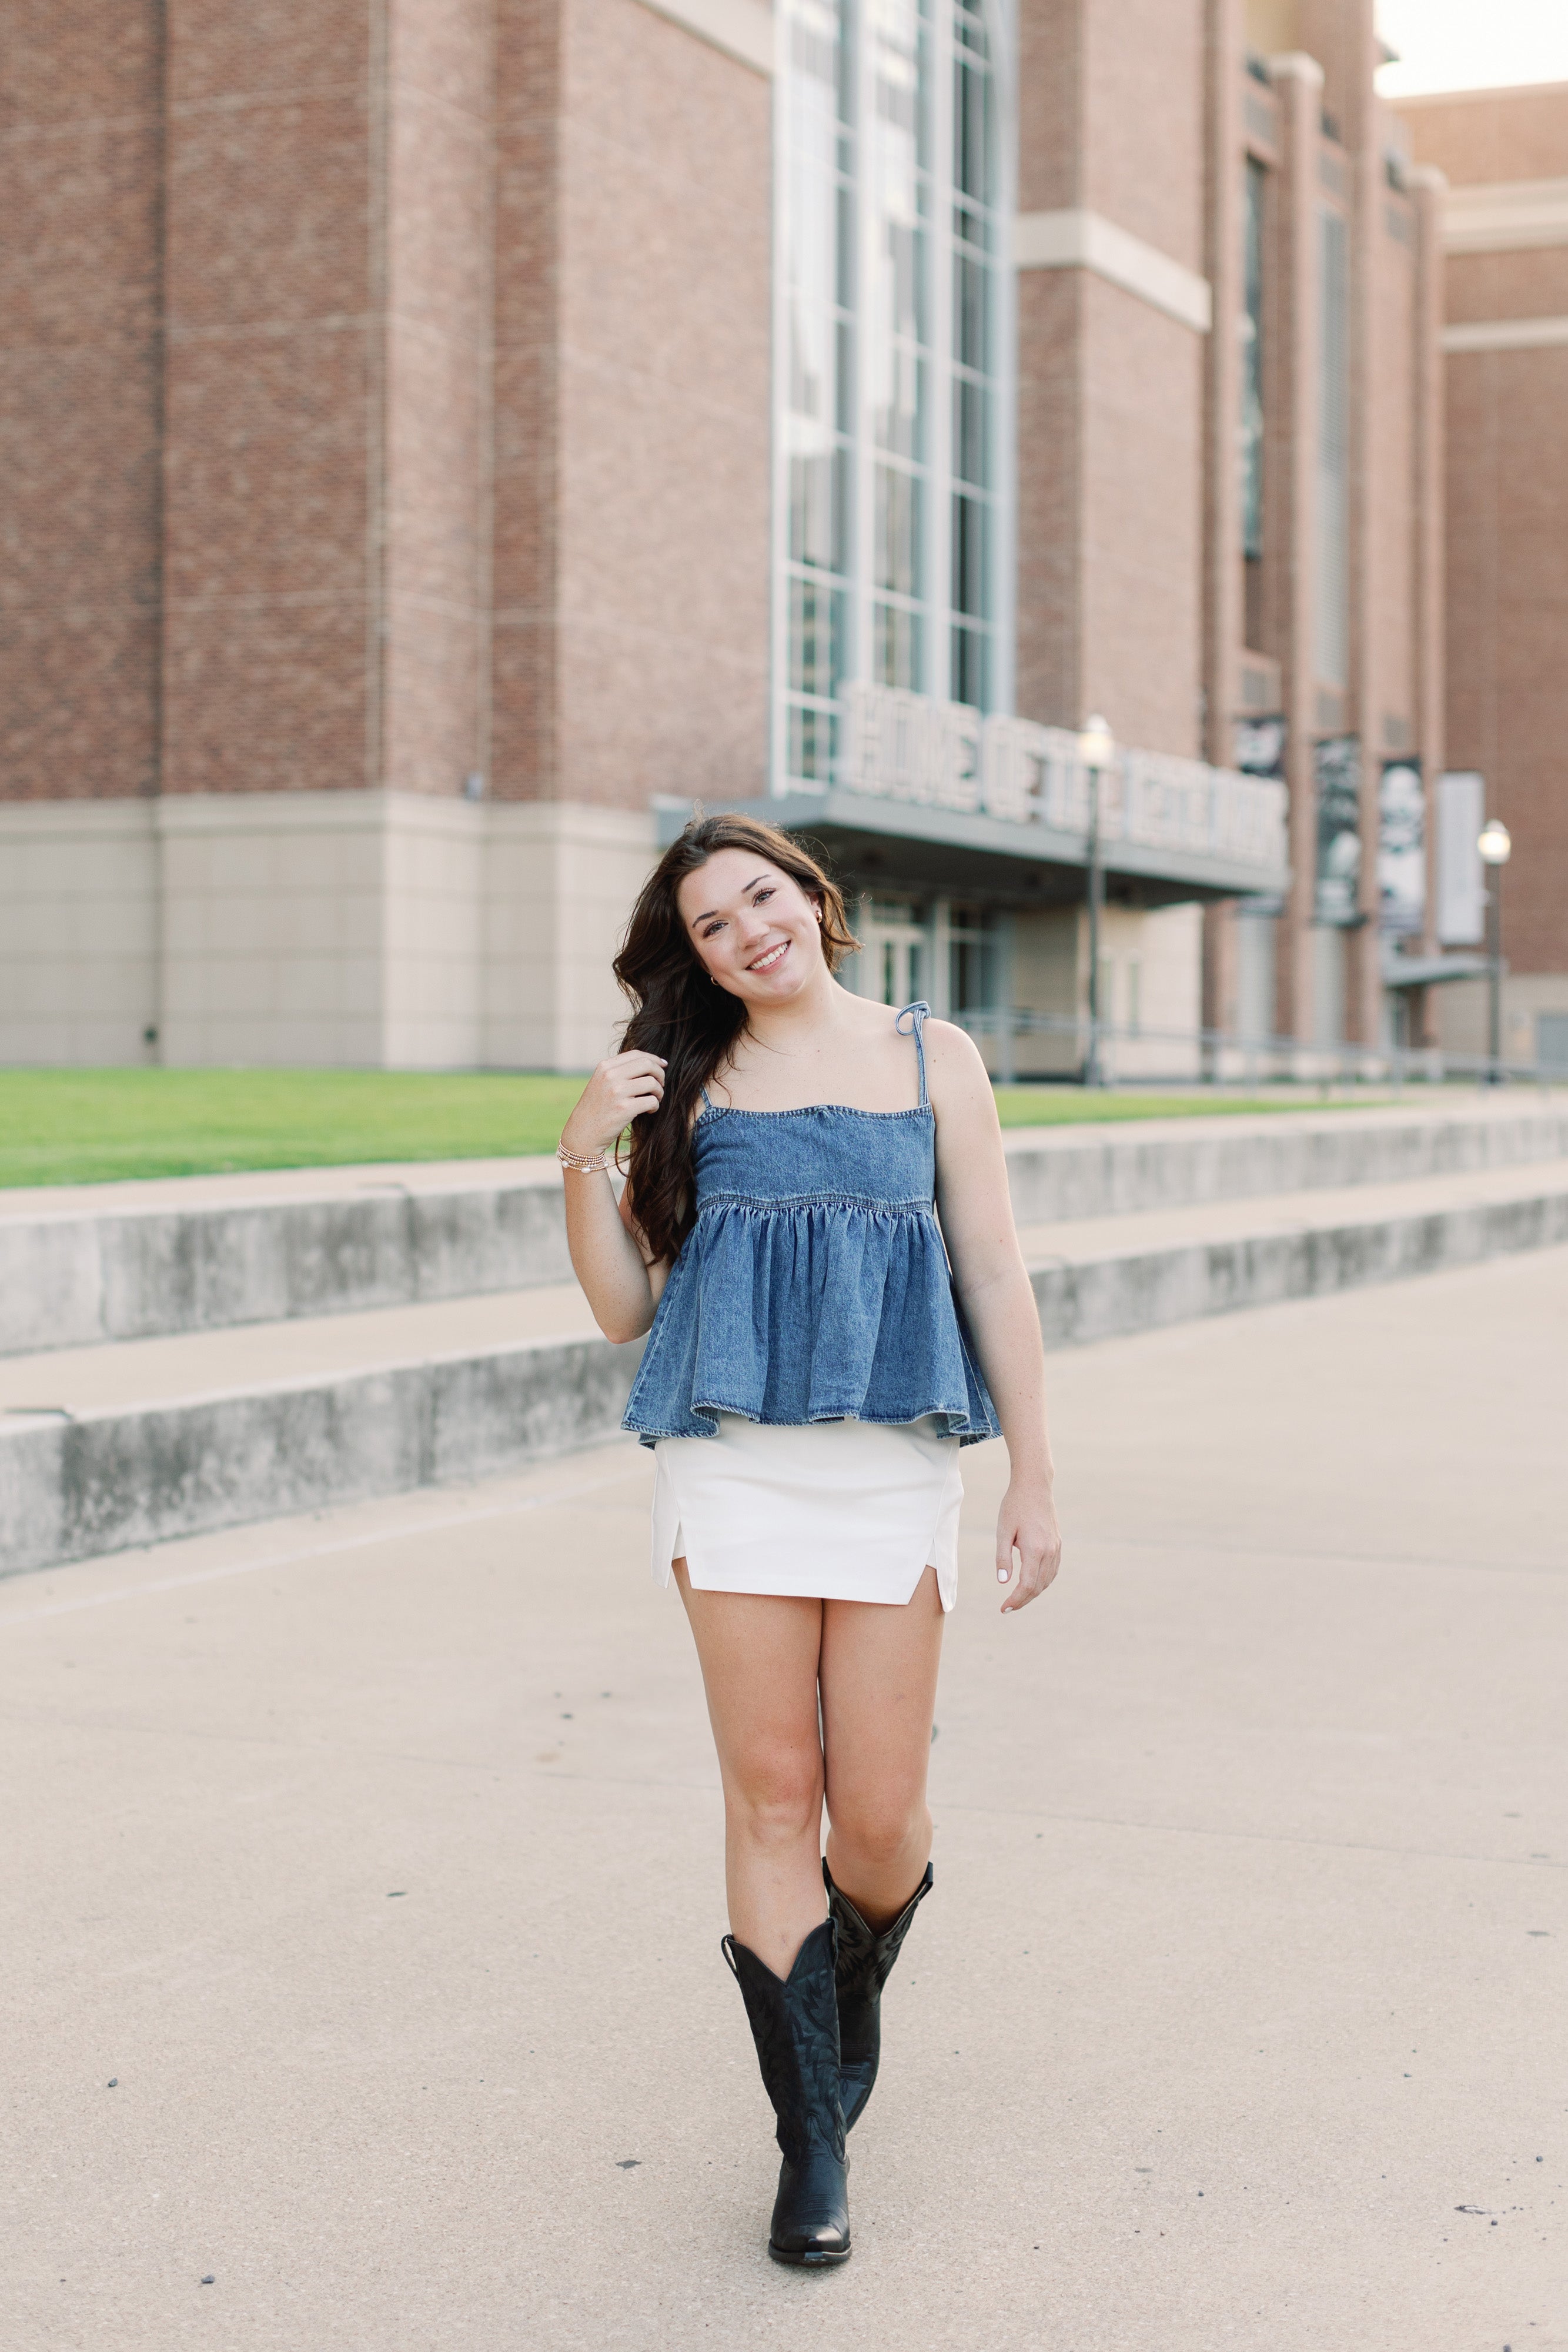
pixel 1336 772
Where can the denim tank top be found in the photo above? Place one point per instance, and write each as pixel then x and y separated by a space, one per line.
pixel 814 1285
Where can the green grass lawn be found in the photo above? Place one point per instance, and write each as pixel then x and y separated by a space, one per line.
pixel 85 1127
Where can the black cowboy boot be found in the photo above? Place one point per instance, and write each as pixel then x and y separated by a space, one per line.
pixel 795 2025
pixel 864 1965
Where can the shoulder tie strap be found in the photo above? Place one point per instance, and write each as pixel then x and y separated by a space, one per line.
pixel 916 1016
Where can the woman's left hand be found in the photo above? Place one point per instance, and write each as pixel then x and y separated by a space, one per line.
pixel 1027 1524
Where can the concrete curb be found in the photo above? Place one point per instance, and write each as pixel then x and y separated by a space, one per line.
pixel 1118 1292
pixel 1059 1176
pixel 77 1280
pixel 73 1487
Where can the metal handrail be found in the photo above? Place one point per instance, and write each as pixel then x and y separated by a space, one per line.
pixel 1212 1049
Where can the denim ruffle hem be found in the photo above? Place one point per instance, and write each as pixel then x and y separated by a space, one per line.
pixel 814 1285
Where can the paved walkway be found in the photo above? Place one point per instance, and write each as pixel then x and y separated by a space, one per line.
pixel 375 1859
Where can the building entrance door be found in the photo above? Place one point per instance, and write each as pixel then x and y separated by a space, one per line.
pixel 893 951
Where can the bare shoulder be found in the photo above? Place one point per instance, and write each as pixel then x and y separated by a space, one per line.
pixel 951 1051
pixel 960 1082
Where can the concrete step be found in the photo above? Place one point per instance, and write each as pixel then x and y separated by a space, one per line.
pixel 105 1447
pixel 102 1447
pixel 1103 1277
pixel 90 1262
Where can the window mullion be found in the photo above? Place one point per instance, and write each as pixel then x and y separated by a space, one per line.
pixel 939 422
pixel 863 458
pixel 1004 361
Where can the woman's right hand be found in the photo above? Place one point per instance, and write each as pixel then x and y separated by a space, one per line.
pixel 619 1089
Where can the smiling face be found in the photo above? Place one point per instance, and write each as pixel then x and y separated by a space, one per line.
pixel 752 926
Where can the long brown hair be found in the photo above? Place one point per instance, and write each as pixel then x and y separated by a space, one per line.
pixel 678 1014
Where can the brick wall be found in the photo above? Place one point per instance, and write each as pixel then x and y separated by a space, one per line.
pixel 1507 496
pixel 387 391
pixel 1111 399
pixel 270 374
pixel 80 397
pixel 634 211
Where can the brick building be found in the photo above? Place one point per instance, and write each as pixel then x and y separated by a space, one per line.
pixel 447 438
pixel 1504 153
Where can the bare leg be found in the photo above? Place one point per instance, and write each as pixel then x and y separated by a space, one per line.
pixel 760 1654
pixel 878 1675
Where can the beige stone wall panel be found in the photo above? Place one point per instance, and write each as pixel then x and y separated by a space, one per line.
pixel 560 881
pixel 79 924
pixel 273 925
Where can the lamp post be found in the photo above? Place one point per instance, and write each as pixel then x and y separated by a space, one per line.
pixel 1495 847
pixel 1097 749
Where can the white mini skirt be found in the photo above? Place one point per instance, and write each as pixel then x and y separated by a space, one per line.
pixel 836 1510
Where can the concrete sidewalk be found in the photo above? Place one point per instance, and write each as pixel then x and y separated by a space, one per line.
pixel 374 1857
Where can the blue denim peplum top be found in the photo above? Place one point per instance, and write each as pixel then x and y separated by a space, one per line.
pixel 814 1285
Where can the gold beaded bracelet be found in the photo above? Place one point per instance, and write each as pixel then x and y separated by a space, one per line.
pixel 600 1167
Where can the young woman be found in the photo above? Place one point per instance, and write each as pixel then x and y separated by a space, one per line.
pixel 815 1360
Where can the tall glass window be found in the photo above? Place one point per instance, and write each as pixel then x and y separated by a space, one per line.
pixel 1333 453
pixel 974 958
pixel 893 450
pixel 1253 223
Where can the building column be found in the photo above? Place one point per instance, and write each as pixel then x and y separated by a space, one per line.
pixel 938 927
pixel 1224 157
pixel 1364 977
pixel 1295 335
pixel 324 687
pixel 1428 187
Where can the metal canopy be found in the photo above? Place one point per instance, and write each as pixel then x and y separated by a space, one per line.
pixel 908 843
pixel 1426 971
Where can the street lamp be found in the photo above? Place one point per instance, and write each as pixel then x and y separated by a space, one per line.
pixel 1495 846
pixel 1097 749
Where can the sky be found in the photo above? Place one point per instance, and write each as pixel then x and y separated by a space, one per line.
pixel 1472 43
